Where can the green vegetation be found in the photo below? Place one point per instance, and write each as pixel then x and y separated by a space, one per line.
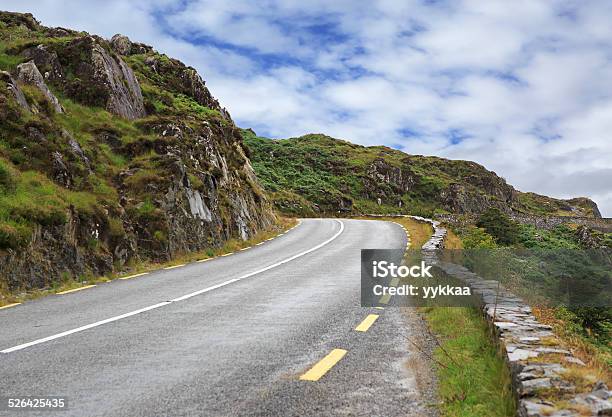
pixel 86 192
pixel 473 380
pixel 319 174
pixel 541 265
pixel 499 225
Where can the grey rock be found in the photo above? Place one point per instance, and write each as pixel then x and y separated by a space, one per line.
pixel 121 44
pixel 46 61
pixel 76 149
pixel 36 135
pixel 110 82
pixel 197 206
pixel 601 391
pixel 61 174
pixel 125 97
pixel 28 73
pixel 14 90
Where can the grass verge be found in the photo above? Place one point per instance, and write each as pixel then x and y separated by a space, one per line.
pixel 473 380
pixel 419 232
pixel 69 283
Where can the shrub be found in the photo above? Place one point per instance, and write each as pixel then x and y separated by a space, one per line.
pixel 477 238
pixel 499 225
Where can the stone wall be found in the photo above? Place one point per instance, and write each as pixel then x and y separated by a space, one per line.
pixel 543 370
pixel 540 222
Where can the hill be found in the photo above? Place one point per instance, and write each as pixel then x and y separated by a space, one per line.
pixel 316 174
pixel 111 152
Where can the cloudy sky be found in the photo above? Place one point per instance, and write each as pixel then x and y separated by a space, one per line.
pixel 523 86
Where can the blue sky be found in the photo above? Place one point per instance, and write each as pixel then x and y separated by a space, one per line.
pixel 523 87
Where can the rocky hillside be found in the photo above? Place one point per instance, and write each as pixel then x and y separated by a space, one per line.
pixel 111 152
pixel 316 174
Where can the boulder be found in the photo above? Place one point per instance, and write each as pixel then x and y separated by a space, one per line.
pixel 29 74
pixel 46 61
pixel 121 44
pixel 14 90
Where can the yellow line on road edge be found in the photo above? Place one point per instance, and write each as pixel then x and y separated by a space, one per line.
pixel 205 260
pixel 174 266
pixel 316 372
pixel 228 254
pixel 134 276
pixel 9 305
pixel 76 289
pixel 367 323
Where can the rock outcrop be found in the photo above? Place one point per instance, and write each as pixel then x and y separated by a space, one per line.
pixel 28 73
pixel 46 61
pixel 14 90
pixel 333 175
pixel 103 190
pixel 102 78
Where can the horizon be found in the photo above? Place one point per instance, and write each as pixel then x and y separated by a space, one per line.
pixel 526 97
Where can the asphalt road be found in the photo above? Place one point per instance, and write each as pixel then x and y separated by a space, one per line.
pixel 234 336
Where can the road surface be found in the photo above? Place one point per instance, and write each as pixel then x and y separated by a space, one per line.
pixel 263 332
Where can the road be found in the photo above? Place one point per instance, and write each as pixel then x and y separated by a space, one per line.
pixel 240 335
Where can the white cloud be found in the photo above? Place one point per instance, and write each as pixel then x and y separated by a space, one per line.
pixel 529 82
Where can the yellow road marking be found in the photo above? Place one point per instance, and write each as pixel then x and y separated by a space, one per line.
pixel 367 323
pixel 379 308
pixel 9 305
pixel 134 276
pixel 76 289
pixel 174 266
pixel 248 247
pixel 228 254
pixel 205 260
pixel 316 372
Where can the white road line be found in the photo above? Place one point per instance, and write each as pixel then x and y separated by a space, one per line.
pixel 259 271
pixel 184 297
pixel 80 329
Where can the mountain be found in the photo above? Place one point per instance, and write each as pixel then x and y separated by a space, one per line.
pixel 316 174
pixel 111 152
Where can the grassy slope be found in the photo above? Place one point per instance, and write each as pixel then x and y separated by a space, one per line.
pixel 28 197
pixel 317 171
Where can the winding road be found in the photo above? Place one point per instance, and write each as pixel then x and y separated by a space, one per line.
pixel 276 329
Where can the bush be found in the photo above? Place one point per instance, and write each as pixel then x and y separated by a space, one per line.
pixel 499 225
pixel 477 238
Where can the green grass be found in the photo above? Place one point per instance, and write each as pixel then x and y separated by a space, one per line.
pixel 332 174
pixel 473 380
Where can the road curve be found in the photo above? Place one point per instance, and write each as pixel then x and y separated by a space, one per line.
pixel 227 337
